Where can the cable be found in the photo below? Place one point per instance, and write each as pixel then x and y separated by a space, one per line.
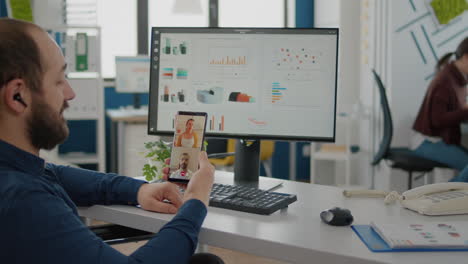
pixel 365 193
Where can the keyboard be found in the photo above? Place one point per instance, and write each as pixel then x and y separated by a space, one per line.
pixel 249 199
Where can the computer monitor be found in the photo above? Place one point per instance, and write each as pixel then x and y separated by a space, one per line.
pixel 132 76
pixel 254 83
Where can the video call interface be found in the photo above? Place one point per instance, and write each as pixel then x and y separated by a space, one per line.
pixel 249 84
pixel 187 142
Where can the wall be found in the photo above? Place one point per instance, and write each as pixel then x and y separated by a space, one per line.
pixel 403 42
pixel 348 82
pixel 349 53
pixel 344 14
pixel 48 13
pixel 327 13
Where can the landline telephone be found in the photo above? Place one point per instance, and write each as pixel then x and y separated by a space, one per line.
pixel 433 199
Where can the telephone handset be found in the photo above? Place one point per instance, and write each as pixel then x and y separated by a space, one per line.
pixel 437 199
pixel 433 199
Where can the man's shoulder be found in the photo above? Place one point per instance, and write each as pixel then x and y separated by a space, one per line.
pixel 15 177
pixel 16 185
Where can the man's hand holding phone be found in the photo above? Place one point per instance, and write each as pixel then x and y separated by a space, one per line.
pixel 199 186
pixel 151 197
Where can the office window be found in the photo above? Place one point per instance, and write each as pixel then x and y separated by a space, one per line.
pixel 81 12
pixel 249 13
pixel 178 13
pixel 117 19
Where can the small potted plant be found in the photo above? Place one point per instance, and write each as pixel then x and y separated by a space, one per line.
pixel 156 153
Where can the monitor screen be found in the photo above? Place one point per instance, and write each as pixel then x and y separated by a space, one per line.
pixel 254 83
pixel 132 74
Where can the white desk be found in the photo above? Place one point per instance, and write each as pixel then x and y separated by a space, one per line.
pixel 295 234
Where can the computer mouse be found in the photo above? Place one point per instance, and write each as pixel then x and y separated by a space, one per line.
pixel 337 216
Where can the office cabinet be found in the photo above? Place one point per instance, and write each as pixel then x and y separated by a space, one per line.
pixel 339 152
pixel 81 48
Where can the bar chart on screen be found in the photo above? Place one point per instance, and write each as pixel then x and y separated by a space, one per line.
pixel 225 56
pixel 216 123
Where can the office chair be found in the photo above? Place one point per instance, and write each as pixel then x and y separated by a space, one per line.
pixel 223 160
pixel 267 148
pixel 401 157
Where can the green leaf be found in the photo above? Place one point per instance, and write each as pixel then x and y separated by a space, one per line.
pixel 148 178
pixel 157 151
pixel 150 154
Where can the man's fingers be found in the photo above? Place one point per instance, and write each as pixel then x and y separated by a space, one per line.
pixel 205 163
pixel 203 159
pixel 167 161
pixel 166 173
pixel 172 194
pixel 162 207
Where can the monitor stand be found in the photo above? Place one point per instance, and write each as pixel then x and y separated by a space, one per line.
pixel 247 165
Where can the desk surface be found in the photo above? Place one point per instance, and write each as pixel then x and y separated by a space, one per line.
pixel 295 234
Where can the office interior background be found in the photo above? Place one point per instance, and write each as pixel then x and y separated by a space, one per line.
pixel 401 39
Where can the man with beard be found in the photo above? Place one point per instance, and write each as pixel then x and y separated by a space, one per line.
pixel 183 172
pixel 38 216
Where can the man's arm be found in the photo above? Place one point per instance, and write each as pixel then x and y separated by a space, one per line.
pixel 86 187
pixel 45 225
pixel 184 228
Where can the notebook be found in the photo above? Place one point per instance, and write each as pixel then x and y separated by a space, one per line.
pixel 446 235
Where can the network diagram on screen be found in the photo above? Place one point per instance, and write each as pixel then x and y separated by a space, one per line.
pixel 258 82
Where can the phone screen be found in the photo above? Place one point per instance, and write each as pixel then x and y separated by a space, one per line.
pixel 188 140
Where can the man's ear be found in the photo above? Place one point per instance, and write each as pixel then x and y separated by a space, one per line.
pixel 13 90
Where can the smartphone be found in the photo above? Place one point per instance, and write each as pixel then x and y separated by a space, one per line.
pixel 189 135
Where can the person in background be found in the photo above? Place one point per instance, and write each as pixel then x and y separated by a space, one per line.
pixel 39 221
pixel 437 132
pixel 443 61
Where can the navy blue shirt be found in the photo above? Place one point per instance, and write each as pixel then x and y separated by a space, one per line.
pixel 39 222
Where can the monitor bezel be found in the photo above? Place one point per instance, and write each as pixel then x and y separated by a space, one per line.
pixel 154 77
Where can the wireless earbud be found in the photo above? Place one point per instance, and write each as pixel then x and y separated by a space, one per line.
pixel 18 98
